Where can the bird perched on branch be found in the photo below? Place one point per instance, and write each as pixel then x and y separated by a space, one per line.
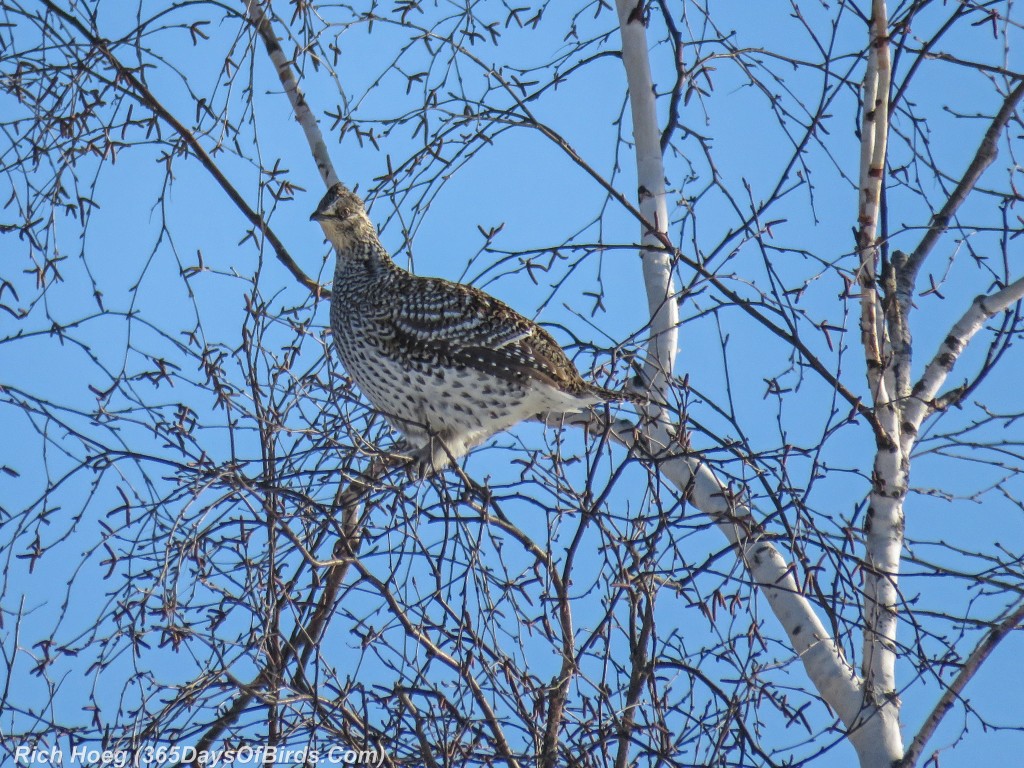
pixel 446 364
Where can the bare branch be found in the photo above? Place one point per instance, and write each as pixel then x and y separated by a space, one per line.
pixel 967 671
pixel 657 266
pixel 822 658
pixel 307 635
pixel 285 72
pixel 983 157
pixel 138 90
pixel 874 139
pixel 925 391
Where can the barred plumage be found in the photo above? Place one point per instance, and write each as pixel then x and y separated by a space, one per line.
pixel 447 364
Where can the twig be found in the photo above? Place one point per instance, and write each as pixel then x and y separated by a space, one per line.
pixel 987 151
pixel 138 90
pixel 977 657
pixel 285 72
pixel 305 637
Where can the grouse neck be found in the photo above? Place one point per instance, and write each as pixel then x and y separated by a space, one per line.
pixel 364 255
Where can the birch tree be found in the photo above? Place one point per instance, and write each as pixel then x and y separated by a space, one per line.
pixel 804 549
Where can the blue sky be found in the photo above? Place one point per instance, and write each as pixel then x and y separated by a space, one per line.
pixel 543 201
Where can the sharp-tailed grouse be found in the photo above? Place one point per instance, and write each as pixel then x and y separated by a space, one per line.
pixel 445 363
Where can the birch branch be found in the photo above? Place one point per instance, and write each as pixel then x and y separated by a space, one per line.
pixel 823 660
pixel 300 107
pixel 874 139
pixel 940 366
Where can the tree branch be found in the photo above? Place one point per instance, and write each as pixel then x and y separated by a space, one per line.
pixel 937 371
pixel 822 658
pixel 650 169
pixel 967 671
pixel 303 114
pixel 138 90
pixel 986 153
pixel 305 637
pixel 874 139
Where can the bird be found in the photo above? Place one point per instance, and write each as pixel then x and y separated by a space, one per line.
pixel 447 364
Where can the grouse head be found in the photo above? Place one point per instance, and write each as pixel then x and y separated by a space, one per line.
pixel 343 218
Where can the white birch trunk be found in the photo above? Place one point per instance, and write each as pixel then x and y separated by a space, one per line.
pixel 650 170
pixel 877 735
pixel 822 658
pixel 868 707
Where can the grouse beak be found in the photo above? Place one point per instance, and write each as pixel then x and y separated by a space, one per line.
pixel 317 215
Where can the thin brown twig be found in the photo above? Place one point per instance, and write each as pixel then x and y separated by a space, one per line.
pixel 306 636
pixel 138 90
pixel 986 153
pixel 967 671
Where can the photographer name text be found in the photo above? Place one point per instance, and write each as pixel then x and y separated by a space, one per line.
pixel 155 756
